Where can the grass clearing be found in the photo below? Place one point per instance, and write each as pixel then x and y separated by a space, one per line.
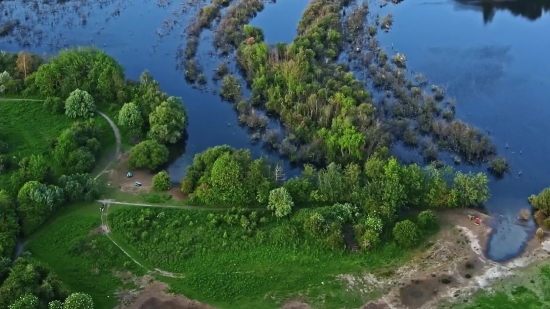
pixel 229 266
pixel 28 130
pixel 84 261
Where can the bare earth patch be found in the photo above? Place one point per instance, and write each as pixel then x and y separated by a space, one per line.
pixel 119 180
pixel 154 297
pixel 102 229
pixel 452 269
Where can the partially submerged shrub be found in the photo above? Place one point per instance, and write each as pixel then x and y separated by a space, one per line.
pixel 400 60
pixel 498 166
pixel 231 89
pixel 524 214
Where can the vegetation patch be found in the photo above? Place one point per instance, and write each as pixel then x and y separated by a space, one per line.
pixel 84 261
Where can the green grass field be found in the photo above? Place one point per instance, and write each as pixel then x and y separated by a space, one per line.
pixel 230 267
pixel 28 130
pixel 83 261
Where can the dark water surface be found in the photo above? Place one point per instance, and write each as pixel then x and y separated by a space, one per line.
pixel 497 70
pixel 492 58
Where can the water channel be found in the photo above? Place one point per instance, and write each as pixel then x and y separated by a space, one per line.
pixel 491 57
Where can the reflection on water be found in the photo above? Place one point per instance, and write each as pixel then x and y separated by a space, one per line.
pixel 530 9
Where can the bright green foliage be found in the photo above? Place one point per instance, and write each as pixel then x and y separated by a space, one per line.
pixel 79 104
pixel 369 240
pixel 29 277
pixel 31 168
pixel 167 121
pixel 150 154
pixel 224 176
pixel 542 200
pixel 28 301
pixel 87 69
pixel 78 146
pixel 470 189
pixel 161 181
pixel 427 220
pixel 406 233
pixel 37 202
pixel 130 117
pixel 231 89
pixel 9 226
pixel 393 192
pixel 56 304
pixel 54 106
pixel 281 202
pixel 78 301
pixel 79 187
pixel 226 180
pixel 218 267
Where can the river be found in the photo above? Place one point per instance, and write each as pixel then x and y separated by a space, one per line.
pixel 491 58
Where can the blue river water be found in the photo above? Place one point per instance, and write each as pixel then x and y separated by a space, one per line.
pixel 491 58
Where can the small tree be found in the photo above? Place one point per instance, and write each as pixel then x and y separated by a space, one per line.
pixel 79 301
pixel 148 154
pixel 5 77
pixel 369 240
pixel 427 220
pixel 161 181
pixel 24 62
pixel 28 301
pixel 54 105
pixel 280 201
pixel 405 233
pixel 79 104
pixel 540 233
pixel 130 117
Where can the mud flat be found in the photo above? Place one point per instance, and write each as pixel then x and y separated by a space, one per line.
pixel 450 271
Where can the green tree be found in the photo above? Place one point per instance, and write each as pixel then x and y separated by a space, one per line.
pixel 56 304
pixel 79 187
pixel 167 121
pixel 226 183
pixel 78 301
pixel 131 118
pixel 542 200
pixel 149 153
pixel 406 233
pixel 470 189
pixel 88 69
pixel 28 301
pixel 80 104
pixel 37 202
pixel 427 220
pixel 161 181
pixel 281 202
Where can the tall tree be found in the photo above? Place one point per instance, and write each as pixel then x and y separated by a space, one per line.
pixel 167 121
pixel 24 62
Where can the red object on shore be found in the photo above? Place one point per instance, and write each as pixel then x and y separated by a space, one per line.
pixel 478 221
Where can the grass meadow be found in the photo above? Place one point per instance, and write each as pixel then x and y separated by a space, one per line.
pixel 28 130
pixel 247 261
pixel 84 261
